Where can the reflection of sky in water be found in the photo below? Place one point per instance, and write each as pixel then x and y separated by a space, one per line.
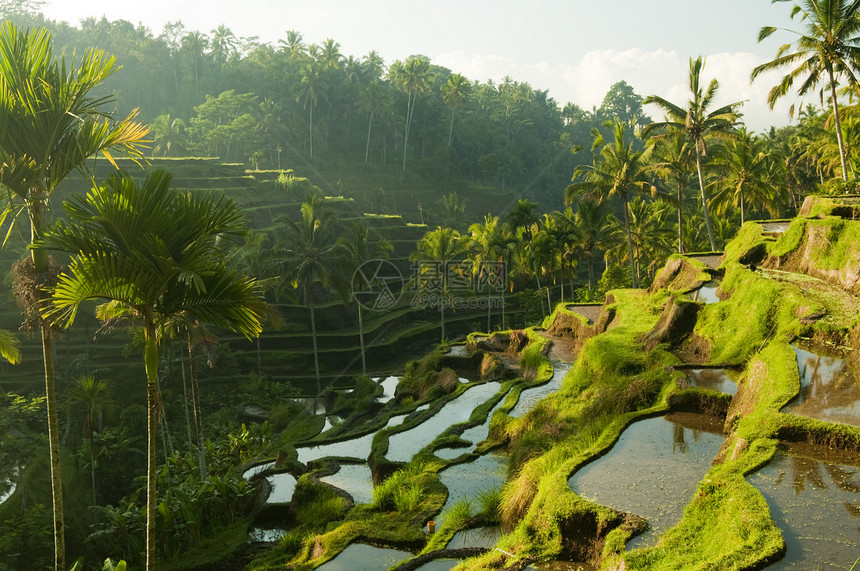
pixel 7 486
pixel 707 293
pixel 828 389
pixel 283 486
pixel 265 534
pixel 358 556
pixel 467 481
pixel 530 397
pixel 354 448
pixel 652 471
pixel 389 385
pixel 404 445
pixel 354 479
pixel 720 380
pixel 251 472
pixel 816 505
pixel 485 537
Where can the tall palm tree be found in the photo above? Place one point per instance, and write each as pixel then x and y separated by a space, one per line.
pixel 311 256
pixel 50 123
pixel 697 123
pixel 436 250
pixel 454 93
pixel 151 253
pixel 619 169
pixel 827 49
pixel 372 100
pixel 591 221
pixel 673 161
pixel 413 77
pixel 311 90
pixel 358 249
pixel 95 395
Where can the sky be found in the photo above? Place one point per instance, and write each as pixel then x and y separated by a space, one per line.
pixel 573 49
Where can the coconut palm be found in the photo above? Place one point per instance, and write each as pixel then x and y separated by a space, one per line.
pixel 311 256
pixel 95 396
pixel 413 77
pixel 151 253
pixel 827 49
pixel 745 174
pixel 697 123
pixel 591 221
pixel 50 123
pixel 373 100
pixel 619 169
pixel 358 249
pixel 673 162
pixel 435 252
pixel 311 90
pixel 454 93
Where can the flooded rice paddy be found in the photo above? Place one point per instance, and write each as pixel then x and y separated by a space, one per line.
pixel 354 479
pixel 653 469
pixel 362 556
pixel 815 502
pixel 720 380
pixel 829 389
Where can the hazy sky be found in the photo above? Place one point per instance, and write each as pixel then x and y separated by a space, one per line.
pixel 574 49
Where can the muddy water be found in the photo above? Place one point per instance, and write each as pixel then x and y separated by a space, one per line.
pixel 354 479
pixel 707 293
pixel 361 556
pixel 829 389
pixel 653 469
pixel 589 311
pixel 816 504
pixel 530 397
pixel 467 481
pixel 720 380
pixel 404 445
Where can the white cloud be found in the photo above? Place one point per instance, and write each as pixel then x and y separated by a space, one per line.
pixel 661 72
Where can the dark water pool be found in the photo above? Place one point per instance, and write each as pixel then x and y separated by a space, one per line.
pixel 360 556
pixel 829 389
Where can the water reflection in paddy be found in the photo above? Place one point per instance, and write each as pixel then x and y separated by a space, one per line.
pixel 816 504
pixel 467 481
pixel 707 293
pixel 653 469
pixel 404 445
pixel 354 448
pixel 720 380
pixel 361 556
pixel 354 479
pixel 530 397
pixel 485 537
pixel 283 486
pixel 828 388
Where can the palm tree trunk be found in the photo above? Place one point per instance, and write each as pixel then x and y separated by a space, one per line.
pixel 367 145
pixel 838 124
pixel 743 217
pixel 311 130
pixel 629 244
pixel 151 365
pixel 316 353
pixel 442 311
pixel 451 129
pixel 361 341
pixel 41 261
pixel 704 200
pixel 590 264
pixel 680 236
pixel 185 401
pixel 195 402
pixel 406 127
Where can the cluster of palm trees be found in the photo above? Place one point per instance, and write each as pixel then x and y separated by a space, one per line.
pixel 147 252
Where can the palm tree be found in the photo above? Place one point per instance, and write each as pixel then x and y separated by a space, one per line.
pixel 454 93
pixel 311 91
pixel 618 169
pixel 358 249
pixel 311 256
pixel 591 221
pixel 672 161
pixel 50 123
pixel 436 250
pixel 745 174
pixel 372 100
pixel 696 123
pixel 95 395
pixel 151 253
pixel 485 256
pixel 195 44
pixel 413 77
pixel 828 48
pixel 168 135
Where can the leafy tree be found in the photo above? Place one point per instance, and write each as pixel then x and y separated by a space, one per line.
pixel 697 123
pixel 619 170
pixel 50 123
pixel 827 49
pixel 622 103
pixel 151 253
